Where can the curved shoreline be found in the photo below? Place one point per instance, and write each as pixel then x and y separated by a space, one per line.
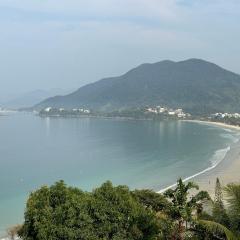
pixel 216 124
pixel 198 173
pixel 216 170
pixel 207 177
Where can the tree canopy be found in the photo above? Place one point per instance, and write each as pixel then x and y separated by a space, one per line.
pixel 61 212
pixel 112 212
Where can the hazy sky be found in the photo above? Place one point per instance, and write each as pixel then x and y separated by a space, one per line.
pixel 67 43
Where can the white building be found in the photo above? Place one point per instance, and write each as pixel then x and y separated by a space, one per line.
pixel 171 113
pixel 152 110
pixel 48 109
pixel 181 115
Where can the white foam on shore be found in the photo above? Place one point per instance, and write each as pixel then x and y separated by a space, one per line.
pixel 217 158
pixel 233 138
pixel 6 238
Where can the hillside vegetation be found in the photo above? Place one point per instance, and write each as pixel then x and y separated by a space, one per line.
pixel 195 85
pixel 116 213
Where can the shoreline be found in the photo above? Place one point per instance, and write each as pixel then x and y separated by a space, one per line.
pixel 216 124
pixel 227 170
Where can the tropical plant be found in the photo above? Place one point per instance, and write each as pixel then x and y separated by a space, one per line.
pixel 64 213
pixel 59 212
pixel 233 201
pixel 217 230
pixel 219 213
pixel 151 199
pixel 184 209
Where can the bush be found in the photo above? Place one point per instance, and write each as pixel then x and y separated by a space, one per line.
pixel 64 213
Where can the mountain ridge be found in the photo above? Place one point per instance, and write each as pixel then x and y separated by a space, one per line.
pixel 193 84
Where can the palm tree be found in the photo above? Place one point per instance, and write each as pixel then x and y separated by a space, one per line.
pixel 183 208
pixel 186 212
pixel 217 230
pixel 233 200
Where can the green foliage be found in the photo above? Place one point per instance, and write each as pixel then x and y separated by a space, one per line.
pixel 182 207
pixel 233 199
pixel 217 229
pixel 195 85
pixel 219 212
pixel 151 199
pixel 60 212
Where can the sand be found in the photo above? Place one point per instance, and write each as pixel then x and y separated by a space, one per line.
pixel 228 171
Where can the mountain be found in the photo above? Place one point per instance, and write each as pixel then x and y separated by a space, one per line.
pixel 195 85
pixel 31 98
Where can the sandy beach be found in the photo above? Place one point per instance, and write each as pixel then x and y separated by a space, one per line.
pixel 228 170
pixel 217 124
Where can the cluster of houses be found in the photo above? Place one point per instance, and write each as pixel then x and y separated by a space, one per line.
pixel 81 110
pixel 5 111
pixel 168 111
pixel 62 110
pixel 226 115
pixel 158 110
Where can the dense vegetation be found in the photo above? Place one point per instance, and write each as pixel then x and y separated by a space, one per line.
pixel 108 212
pixel 228 120
pixel 133 113
pixel 194 85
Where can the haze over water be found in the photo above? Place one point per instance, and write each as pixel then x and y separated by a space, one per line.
pixel 86 152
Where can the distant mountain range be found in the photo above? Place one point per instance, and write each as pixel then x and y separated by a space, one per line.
pixel 195 85
pixel 31 98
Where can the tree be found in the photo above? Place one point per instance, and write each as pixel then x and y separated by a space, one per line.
pixel 63 213
pixel 151 199
pixel 218 193
pixel 184 208
pixel 217 230
pixel 219 212
pixel 57 212
pixel 233 199
pixel 117 214
pixel 60 212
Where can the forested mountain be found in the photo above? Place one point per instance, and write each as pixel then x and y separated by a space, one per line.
pixel 195 85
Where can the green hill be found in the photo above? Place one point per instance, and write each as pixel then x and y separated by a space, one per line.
pixel 195 85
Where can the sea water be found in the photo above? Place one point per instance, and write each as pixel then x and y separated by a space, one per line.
pixel 85 152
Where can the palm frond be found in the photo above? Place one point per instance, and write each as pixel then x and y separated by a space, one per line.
pixel 217 228
pixel 233 197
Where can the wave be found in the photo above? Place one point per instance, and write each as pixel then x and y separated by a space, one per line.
pixel 7 238
pixel 217 158
pixel 234 138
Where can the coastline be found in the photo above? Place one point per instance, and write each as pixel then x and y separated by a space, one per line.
pixel 227 170
pixel 216 124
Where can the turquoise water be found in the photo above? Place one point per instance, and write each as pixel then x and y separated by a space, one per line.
pixel 86 152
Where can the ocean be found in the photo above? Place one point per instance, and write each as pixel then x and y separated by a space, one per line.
pixel 85 152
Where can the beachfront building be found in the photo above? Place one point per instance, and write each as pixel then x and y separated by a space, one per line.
pixel 48 109
pixel 179 113
pixel 226 115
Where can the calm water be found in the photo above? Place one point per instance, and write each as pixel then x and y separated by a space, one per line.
pixel 86 152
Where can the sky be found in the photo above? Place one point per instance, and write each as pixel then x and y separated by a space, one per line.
pixel 65 44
